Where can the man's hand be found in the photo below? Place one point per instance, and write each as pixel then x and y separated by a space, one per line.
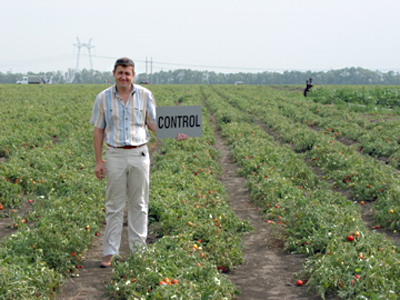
pixel 98 146
pixel 181 137
pixel 99 170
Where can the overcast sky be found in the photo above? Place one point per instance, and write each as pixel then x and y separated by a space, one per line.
pixel 215 35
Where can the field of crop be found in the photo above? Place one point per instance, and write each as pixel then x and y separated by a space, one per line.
pixel 323 170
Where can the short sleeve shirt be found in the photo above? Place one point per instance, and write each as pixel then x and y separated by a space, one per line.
pixel 124 124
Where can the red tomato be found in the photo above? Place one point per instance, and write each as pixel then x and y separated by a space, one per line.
pixel 350 238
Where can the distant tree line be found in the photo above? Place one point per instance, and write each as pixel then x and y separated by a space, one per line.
pixel 350 76
pixel 70 77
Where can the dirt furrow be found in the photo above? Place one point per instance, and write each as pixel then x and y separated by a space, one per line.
pixel 6 217
pixel 89 282
pixel 267 271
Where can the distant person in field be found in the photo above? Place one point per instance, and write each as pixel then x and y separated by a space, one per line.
pixel 308 87
pixel 122 115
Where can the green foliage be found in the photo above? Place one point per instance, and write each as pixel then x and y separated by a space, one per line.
pixel 47 149
pixel 302 208
pixel 293 162
pixel 387 97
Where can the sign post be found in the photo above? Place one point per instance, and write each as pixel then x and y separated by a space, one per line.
pixel 172 120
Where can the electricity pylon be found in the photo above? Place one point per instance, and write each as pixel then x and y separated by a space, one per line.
pixel 79 45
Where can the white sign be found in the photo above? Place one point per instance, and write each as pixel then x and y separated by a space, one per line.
pixel 172 120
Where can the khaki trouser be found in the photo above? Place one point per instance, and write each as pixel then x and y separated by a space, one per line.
pixel 127 174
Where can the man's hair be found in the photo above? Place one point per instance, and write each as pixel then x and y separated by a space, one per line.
pixel 125 62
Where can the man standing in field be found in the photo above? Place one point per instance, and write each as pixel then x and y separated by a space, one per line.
pixel 122 115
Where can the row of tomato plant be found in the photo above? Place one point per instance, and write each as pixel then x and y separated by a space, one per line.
pixel 372 96
pixel 46 158
pixel 376 133
pixel 366 178
pixel 52 166
pixel 200 236
pixel 345 257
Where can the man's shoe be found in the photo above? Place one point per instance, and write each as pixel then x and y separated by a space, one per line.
pixel 106 263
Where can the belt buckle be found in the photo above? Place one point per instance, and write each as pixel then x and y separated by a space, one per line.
pixel 128 146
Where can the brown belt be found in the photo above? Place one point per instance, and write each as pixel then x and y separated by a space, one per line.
pixel 127 146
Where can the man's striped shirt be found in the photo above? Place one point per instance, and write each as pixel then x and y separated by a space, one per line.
pixel 124 124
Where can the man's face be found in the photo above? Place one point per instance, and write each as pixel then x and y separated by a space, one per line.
pixel 123 77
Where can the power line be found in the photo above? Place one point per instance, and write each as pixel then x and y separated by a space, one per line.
pixel 208 66
pixel 227 67
pixel 146 61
